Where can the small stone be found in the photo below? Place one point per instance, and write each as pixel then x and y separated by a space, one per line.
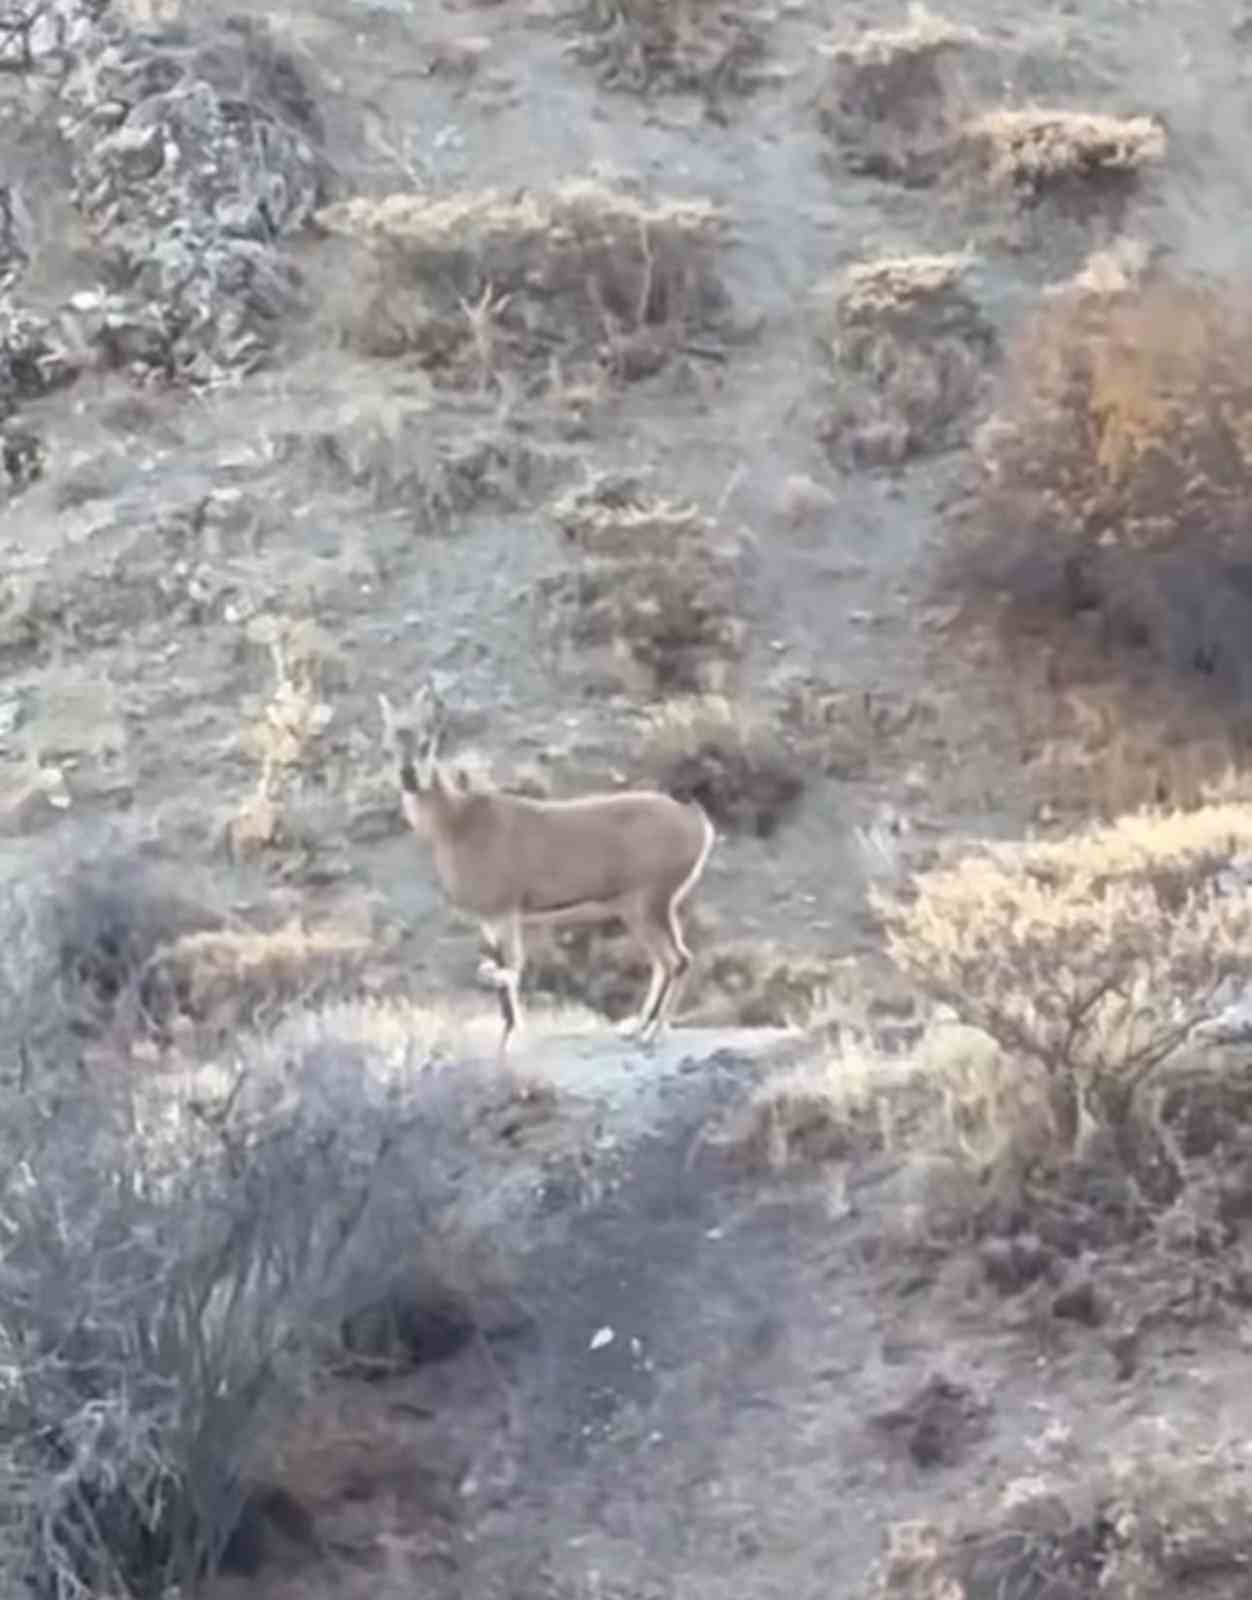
pixel 803 500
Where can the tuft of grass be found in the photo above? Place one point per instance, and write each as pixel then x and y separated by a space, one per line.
pixel 614 517
pixel 916 348
pixel 738 764
pixel 1034 151
pixel 479 284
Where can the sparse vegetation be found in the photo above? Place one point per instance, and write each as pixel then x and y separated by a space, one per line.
pixel 675 44
pixel 655 589
pixel 480 284
pixel 759 984
pixel 1147 1526
pixel 391 453
pixel 812 1116
pixel 916 347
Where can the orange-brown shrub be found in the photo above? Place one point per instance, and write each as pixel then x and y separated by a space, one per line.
pixel 1115 475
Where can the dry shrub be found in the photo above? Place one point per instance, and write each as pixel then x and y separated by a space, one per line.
pixel 614 517
pixel 223 980
pixel 916 347
pixel 738 764
pixel 708 45
pixel 473 284
pixel 1088 962
pixel 1033 153
pixel 1144 1527
pixel 1113 479
pixel 668 629
pixel 828 1109
pixel 893 99
pixel 178 1268
pixel 654 590
pixel 81 922
pixel 287 737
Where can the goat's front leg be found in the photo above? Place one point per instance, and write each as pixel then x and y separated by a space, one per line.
pixel 503 970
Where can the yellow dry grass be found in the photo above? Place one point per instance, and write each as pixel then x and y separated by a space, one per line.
pixel 1092 958
pixel 1034 147
pixel 922 33
pixel 624 521
pixel 236 977
pixel 895 286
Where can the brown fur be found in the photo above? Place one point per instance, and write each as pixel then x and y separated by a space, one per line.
pixel 509 861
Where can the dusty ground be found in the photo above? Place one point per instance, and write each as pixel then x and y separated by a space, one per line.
pixel 724 1439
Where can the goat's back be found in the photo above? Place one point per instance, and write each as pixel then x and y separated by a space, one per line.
pixel 509 852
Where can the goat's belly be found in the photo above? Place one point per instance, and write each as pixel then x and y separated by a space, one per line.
pixel 572 911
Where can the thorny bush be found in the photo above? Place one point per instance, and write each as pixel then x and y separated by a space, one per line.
pixel 1089 961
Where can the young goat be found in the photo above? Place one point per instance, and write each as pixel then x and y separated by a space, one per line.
pixel 508 862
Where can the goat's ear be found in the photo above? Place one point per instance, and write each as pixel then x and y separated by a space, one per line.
pixel 389 717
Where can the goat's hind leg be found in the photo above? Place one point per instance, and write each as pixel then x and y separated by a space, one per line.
pixel 670 949
pixel 632 1027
